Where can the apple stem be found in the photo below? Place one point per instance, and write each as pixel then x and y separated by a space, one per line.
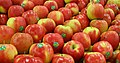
pixel 107 54
pixel 63 35
pixel 97 1
pixel 21 28
pixel 23 5
pixel 40 45
pixel 55 44
pixel 53 7
pixel 2 47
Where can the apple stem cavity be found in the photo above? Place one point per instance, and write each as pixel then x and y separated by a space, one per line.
pixel 53 7
pixel 107 54
pixel 21 28
pixel 73 46
pixel 55 44
pixel 40 45
pixel 63 35
pixel 2 48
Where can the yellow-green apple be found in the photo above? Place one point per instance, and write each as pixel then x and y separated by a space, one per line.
pixel 65 31
pixel 66 12
pixel 70 1
pixel 42 50
pixel 22 41
pixel 117 2
pixel 17 23
pixel 110 12
pixel 62 58
pixel 74 48
pixel 39 10
pixel 73 7
pixel 48 23
pixel 102 25
pixel 115 22
pixel 36 31
pixel 81 4
pixel 107 18
pixel 27 5
pixel 51 5
pixel 95 11
pixel 94 57
pixel 83 38
pixel 74 24
pixel 15 11
pixel 108 35
pixel 6 33
pixel 103 47
pixel 102 2
pixel 93 32
pixel 117 16
pixel 3 19
pixel 57 16
pixel 38 2
pixel 30 16
pixel 55 40
pixel 27 58
pixel 4 5
pixel 7 53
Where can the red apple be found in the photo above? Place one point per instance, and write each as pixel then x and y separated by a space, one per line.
pixel 55 40
pixel 62 58
pixel 83 38
pixel 84 11
pixel 38 2
pixel 17 23
pixel 7 53
pixel 74 48
pixel 107 18
pixel 48 23
pixel 17 2
pixel 94 57
pixel 108 35
pixel 36 31
pixel 102 2
pixel 110 12
pixel 69 1
pixel 30 16
pixel 65 31
pixel 3 19
pixel 117 16
pixel 42 50
pixel 114 28
pixel 81 4
pixel 115 22
pixel 57 16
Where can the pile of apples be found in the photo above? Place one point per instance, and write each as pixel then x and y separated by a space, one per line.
pixel 59 31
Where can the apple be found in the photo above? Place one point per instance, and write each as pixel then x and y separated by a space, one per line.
pixel 55 40
pixel 73 48
pixel 102 2
pixel 115 22
pixel 39 10
pixel 117 16
pixel 83 38
pixel 38 2
pixel 74 24
pixel 15 11
pixel 57 16
pixel 36 31
pixel 93 32
pixel 81 4
pixel 114 28
pixel 62 58
pixel 48 23
pixel 51 5
pixel 27 58
pixel 102 25
pixel 94 57
pixel 107 18
pixel 5 34
pixel 110 12
pixel 7 53
pixel 4 5
pixel 70 1
pixel 65 31
pixel 30 16
pixel 95 11
pixel 3 19
pixel 73 7
pixel 42 50
pixel 106 36
pixel 118 58
pixel 84 11
pixel 17 2
pixel 66 12
pixel 17 23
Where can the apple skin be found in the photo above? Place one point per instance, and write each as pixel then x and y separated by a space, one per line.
pixel 62 58
pixel 118 58
pixel 65 31
pixel 66 12
pixel 3 19
pixel 74 24
pixel 17 23
pixel 38 2
pixel 73 7
pixel 5 34
pixel 84 11
pixel 39 10
pixel 83 38
pixel 107 18
pixel 102 2
pixel 30 16
pixel 93 32
pixel 51 5
pixel 48 23
pixel 81 4
pixel 27 58
pixel 17 2
pixel 7 53
pixel 42 50
pixel 115 22
pixel 3 7
pixel 100 24
pixel 114 28
pixel 117 16
pixel 95 11
pixel 110 12
pixel 36 31
pixel 74 48
pixel 57 16
pixel 15 11
pixel 55 40
pixel 70 1
pixel 106 36
pixel 94 57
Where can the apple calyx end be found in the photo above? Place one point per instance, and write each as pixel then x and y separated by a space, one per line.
pixel 55 44
pixel 21 28
pixel 63 35
pixel 40 45
pixel 2 47
pixel 53 7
